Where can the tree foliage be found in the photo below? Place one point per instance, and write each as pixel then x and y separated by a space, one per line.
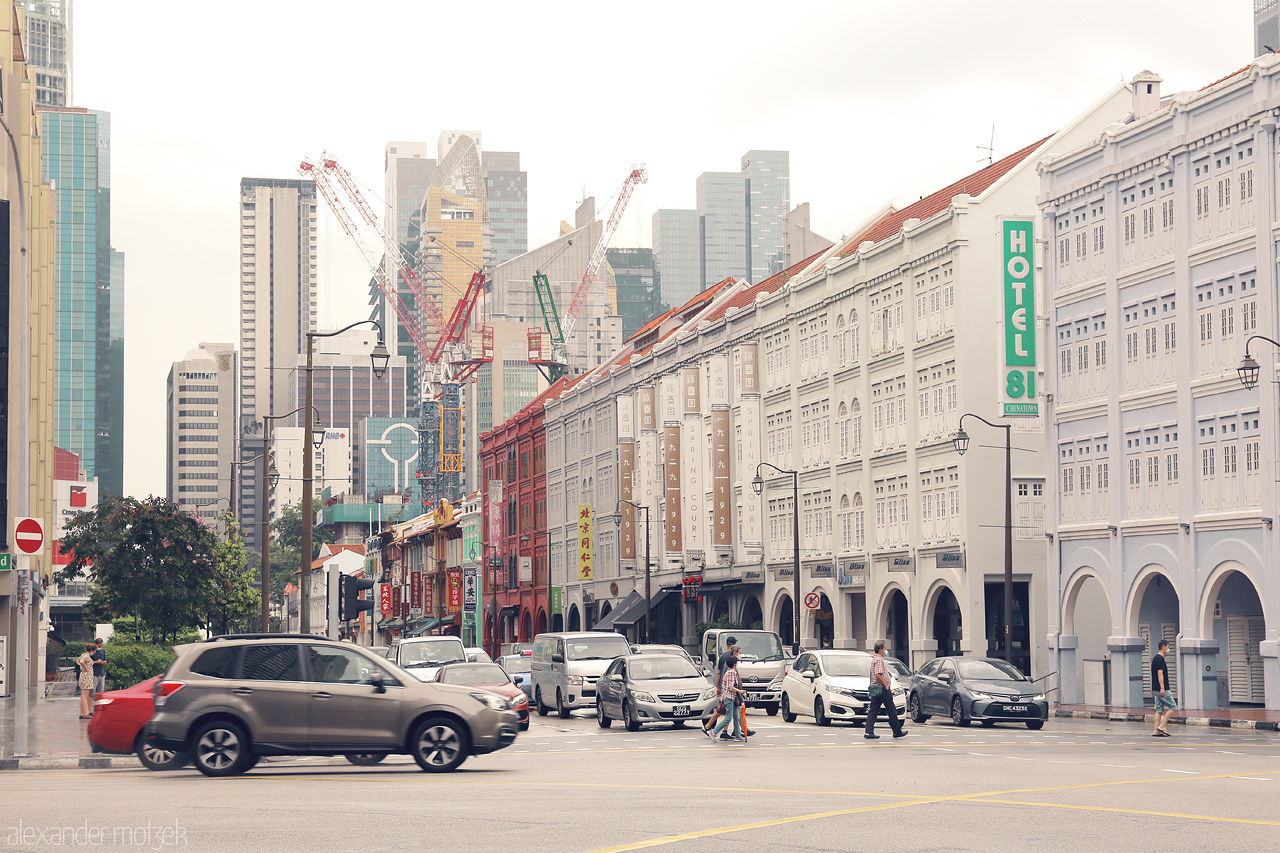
pixel 230 599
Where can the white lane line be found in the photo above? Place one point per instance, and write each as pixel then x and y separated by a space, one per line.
pixel 584 749
pixel 942 749
pixel 1253 778
pixel 1188 772
pixel 1061 762
pixel 612 748
pixel 827 743
pixel 1016 758
pixel 1224 752
pixel 987 754
pixel 1121 766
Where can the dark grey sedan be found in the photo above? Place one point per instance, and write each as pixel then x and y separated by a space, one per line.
pixel 985 689
pixel 639 689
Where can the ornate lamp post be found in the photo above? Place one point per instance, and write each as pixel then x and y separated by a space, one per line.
pixel 1249 368
pixel 757 485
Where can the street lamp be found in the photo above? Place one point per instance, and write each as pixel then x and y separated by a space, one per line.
pixel 757 485
pixel 617 514
pixel 379 358
pixel 961 442
pixel 1249 368
pixel 272 477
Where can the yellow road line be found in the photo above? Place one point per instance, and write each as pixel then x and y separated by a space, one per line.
pixel 1123 811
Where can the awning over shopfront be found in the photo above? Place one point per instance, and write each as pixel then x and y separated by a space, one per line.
pixel 628 611
pixel 425 626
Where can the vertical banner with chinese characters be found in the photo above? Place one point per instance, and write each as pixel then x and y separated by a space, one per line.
pixel 495 518
pixel 455 589
pixel 750 379
pixel 692 457
pixel 585 567
pixel 648 409
pixel 415 593
pixel 626 417
pixel 749 421
pixel 674 536
pixel 722 532
pixel 718 382
pixel 1017 261
pixel 627 524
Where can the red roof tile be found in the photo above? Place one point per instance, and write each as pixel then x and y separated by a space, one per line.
pixel 933 204
pixel 1228 77
pixel 769 285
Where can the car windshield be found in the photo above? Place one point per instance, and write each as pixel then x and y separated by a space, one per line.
pixel 603 648
pixel 474 673
pixel 658 667
pixel 847 665
pixel 896 666
pixel 758 645
pixel 988 670
pixel 431 653
pixel 519 664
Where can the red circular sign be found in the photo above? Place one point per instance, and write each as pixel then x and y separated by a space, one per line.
pixel 28 536
pixel 811 601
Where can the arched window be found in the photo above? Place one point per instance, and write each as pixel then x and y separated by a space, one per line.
pixel 842 343
pixel 855 429
pixel 855 337
pixel 859 524
pixel 843 420
pixel 846 524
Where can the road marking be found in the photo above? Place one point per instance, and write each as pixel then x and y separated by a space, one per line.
pixel 1122 811
pixel 1165 770
pixel 942 749
pixel 1224 752
pixel 1253 778
pixel 1016 758
pixel 1121 766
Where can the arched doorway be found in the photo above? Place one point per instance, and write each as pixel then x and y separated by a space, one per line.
pixel 490 639
pixel 786 621
pixel 947 628
pixel 752 616
pixel 897 627
pixel 1086 615
pixel 526 627
pixel 1234 616
pixel 541 624
pixel 824 623
pixel 575 619
pixel 667 619
pixel 1154 613
pixel 717 606
pixel 557 622
pixel 605 609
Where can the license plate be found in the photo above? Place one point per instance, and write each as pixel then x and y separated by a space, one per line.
pixel 1016 709
pixel 682 711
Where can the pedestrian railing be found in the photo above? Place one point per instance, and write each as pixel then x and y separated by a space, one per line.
pixel 1048 688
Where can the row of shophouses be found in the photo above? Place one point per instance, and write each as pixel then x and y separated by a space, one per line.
pixel 1143 473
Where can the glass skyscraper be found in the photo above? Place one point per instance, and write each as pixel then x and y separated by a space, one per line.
pixel 677 255
pixel 722 211
pixel 768 193
pixel 89 382
pixel 507 193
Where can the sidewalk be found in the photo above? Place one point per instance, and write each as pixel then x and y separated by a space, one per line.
pixel 56 738
pixel 1226 718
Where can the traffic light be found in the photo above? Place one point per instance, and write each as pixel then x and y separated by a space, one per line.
pixel 350 605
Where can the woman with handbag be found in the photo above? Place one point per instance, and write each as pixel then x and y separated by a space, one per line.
pixel 881 695
pixel 731 694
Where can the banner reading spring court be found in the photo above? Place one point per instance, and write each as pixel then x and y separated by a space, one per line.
pixel 1018 378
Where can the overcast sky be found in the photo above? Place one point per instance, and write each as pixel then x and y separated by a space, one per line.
pixel 875 101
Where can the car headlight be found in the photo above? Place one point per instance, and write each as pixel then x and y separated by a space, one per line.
pixel 573 679
pixel 776 684
pixel 843 691
pixel 494 701
pixel 709 693
pixel 520 700
pixel 641 696
pixel 976 695
pixel 1039 697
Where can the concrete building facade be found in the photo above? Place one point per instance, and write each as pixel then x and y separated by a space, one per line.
pixel 201 440
pixel 48 45
pixel 677 254
pixel 1160 263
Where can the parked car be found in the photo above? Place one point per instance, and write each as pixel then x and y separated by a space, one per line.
pixel 763 660
pixel 490 676
pixel 230 700
pixel 520 668
pixel 119 717
pixel 660 649
pixel 653 688
pixel 989 690
pixel 899 670
pixel 566 666
pixel 832 685
pixel 422 656
pixel 478 655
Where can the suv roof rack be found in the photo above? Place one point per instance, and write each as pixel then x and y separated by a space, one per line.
pixel 264 637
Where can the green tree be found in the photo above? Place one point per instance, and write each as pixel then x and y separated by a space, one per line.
pixel 230 596
pixel 287 535
pixel 148 559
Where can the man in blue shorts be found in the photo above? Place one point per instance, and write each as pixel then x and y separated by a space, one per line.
pixel 1165 703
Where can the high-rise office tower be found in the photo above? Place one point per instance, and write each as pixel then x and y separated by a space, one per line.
pixel 277 309
pixel 48 50
pixel 722 215
pixel 344 390
pixel 768 192
pixel 1266 26
pixel 407 172
pixel 200 431
pixel 677 254
pixel 507 191
pixel 90 361
pixel 635 282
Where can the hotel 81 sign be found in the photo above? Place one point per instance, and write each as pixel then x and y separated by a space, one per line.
pixel 1018 378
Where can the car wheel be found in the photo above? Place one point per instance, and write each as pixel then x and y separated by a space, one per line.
pixel 601 717
pixel 819 713
pixel 957 713
pixel 154 758
pixel 524 727
pixel 561 711
pixel 439 745
pixel 787 715
pixel 633 725
pixel 543 710
pixel 253 762
pixel 771 709
pixel 365 759
pixel 679 724
pixel 220 748
pixel 913 708
pixel 1035 725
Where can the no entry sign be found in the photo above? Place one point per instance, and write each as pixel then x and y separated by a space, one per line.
pixel 28 536
pixel 811 601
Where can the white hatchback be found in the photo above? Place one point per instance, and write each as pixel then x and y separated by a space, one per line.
pixel 832 685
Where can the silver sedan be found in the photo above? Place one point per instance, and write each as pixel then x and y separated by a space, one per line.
pixel 639 689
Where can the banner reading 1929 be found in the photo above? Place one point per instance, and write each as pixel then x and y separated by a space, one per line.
pixel 1018 376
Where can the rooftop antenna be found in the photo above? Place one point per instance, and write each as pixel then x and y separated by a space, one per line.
pixel 990 149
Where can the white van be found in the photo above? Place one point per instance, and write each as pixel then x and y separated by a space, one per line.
pixel 566 667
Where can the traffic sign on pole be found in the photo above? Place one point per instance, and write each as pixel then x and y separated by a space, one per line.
pixel 812 601
pixel 28 536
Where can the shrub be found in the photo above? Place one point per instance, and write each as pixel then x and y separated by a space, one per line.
pixel 129 662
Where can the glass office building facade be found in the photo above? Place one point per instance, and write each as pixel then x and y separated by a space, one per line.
pixel 639 298
pixel 386 456
pixel 89 382
pixel 722 214
pixel 507 194
pixel 677 254
pixel 768 194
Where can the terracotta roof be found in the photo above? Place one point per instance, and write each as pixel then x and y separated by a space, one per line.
pixel 933 204
pixel 329 551
pixel 1228 77
pixel 769 285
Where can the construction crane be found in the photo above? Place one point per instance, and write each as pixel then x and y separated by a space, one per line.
pixel 447 363
pixel 551 355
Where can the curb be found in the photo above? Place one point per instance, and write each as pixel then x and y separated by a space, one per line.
pixel 125 762
pixel 1211 722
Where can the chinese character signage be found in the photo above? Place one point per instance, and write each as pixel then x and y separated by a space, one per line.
pixel 495 512
pixel 384 599
pixel 454 579
pixel 626 417
pixel 674 536
pixel 415 593
pixel 648 409
pixel 557 597
pixel 585 566
pixel 722 529
pixel 470 586
pixel 750 368
pixel 627 526
pixel 718 392
pixel 1018 379
pixel 689 390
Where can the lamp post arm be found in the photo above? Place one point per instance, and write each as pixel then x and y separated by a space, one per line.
pixel 960 423
pixel 381 333
pixel 1253 338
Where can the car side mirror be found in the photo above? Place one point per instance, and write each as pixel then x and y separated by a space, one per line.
pixel 379 686
pixel 809 674
pixel 557 658
pixel 945 677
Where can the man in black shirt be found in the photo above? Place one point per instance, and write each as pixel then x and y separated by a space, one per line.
pixel 1165 703
pixel 99 667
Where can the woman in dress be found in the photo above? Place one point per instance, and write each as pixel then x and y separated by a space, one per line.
pixel 85 663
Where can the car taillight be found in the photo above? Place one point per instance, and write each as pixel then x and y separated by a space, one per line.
pixel 165 689
pixel 101 702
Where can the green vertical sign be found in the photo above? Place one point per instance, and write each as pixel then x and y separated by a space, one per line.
pixel 5 564
pixel 555 599
pixel 1018 376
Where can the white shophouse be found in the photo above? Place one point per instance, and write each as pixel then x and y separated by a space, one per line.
pixel 871 357
pixel 1161 269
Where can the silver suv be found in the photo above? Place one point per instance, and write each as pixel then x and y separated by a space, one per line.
pixel 233 699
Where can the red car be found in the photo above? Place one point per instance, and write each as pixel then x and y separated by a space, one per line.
pixel 491 677
pixel 118 719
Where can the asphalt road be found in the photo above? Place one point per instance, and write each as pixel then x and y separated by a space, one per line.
pixel 568 786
